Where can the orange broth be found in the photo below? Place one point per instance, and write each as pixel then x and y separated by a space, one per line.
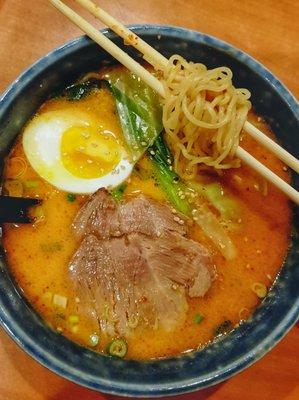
pixel 38 254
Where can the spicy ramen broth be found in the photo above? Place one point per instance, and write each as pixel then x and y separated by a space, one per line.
pixel 39 253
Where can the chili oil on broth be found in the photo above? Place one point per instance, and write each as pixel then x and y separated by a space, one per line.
pixel 39 254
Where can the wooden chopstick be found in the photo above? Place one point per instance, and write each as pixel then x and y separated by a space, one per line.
pixel 154 83
pixel 277 150
pixel 269 175
pixel 151 55
pixel 156 59
pixel 109 46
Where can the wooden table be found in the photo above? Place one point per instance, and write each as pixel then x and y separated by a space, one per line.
pixel 266 29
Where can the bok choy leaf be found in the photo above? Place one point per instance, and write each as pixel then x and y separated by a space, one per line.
pixel 139 111
pixel 169 181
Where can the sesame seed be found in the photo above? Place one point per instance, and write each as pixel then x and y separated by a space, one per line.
pixel 176 219
pixel 89 161
pixel 143 144
pixel 237 179
pixel 284 168
pixel 258 251
pixel 181 222
pixel 152 152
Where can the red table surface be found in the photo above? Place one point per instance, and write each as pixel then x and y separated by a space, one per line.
pixel 266 29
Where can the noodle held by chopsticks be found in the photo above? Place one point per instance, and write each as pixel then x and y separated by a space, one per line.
pixel 203 115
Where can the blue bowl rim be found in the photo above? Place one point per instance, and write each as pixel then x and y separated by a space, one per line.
pixel 180 387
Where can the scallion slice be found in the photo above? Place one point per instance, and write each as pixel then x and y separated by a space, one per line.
pixel 117 348
pixel 198 318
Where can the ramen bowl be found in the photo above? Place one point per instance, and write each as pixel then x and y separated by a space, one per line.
pixel 227 355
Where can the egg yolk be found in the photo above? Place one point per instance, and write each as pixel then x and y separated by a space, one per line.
pixel 87 152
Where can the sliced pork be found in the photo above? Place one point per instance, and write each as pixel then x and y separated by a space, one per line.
pixel 104 217
pixel 116 281
pixel 135 264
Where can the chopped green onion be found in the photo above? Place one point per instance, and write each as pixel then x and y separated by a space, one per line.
pixel 31 184
pixel 60 301
pixel 198 318
pixel 260 289
pixel 118 192
pixel 133 321
pixel 20 165
pixel 117 348
pixel 71 197
pixel 73 319
pixel 13 187
pixel 224 327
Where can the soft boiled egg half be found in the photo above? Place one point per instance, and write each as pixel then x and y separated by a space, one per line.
pixel 75 152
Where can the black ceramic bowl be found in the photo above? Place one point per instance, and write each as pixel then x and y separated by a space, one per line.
pixel 227 356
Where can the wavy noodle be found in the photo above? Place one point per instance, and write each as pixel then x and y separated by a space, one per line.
pixel 203 116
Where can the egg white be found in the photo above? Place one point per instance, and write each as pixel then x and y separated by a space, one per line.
pixel 42 146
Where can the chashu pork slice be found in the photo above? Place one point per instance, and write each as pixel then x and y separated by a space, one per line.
pixel 105 217
pixel 136 280
pixel 135 264
pixel 117 287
